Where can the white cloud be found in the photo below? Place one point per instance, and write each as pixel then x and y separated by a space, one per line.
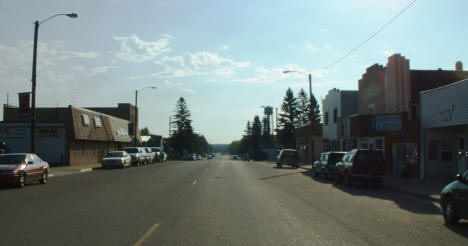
pixel 324 30
pixel 133 49
pixel 193 64
pixel 99 70
pixel 310 47
pixel 225 47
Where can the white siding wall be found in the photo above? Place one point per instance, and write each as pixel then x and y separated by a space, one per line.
pixel 331 101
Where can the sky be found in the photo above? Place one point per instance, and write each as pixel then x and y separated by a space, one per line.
pixel 224 57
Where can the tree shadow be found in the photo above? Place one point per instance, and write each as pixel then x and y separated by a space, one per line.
pixel 404 201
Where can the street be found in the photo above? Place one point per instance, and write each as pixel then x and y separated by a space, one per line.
pixel 216 202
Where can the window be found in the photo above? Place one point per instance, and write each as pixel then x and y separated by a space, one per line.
pixel 461 143
pixel 433 150
pixel 97 121
pixel 85 119
pixel 446 150
pixel 335 115
pixel 326 118
pixel 371 108
pixel 379 144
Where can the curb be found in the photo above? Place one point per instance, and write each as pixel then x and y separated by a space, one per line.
pixel 86 170
pixel 398 190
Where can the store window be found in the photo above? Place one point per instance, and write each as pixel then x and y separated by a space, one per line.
pixel 326 118
pixel 433 150
pixel 335 115
pixel 446 150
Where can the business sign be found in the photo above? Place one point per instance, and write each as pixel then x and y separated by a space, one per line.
pixel 23 98
pixel 387 123
pixel 14 132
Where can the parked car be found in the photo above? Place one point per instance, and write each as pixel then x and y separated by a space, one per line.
pixel 157 152
pixel 116 159
pixel 151 155
pixel 136 155
pixel 454 199
pixel 236 157
pixel 210 156
pixel 145 154
pixel 362 165
pixel 22 168
pixel 163 156
pixel 327 163
pixel 198 157
pixel 189 157
pixel 287 157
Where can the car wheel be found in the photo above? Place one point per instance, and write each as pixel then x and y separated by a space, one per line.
pixel 21 180
pixel 348 180
pixel 449 213
pixel 44 177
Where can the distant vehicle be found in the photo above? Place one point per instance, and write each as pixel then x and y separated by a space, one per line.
pixel 454 199
pixel 163 156
pixel 327 163
pixel 151 155
pixel 145 154
pixel 198 157
pixel 189 157
pixel 287 157
pixel 116 159
pixel 157 152
pixel 236 157
pixel 363 165
pixel 136 155
pixel 22 168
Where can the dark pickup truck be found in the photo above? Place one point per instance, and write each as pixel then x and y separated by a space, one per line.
pixel 362 165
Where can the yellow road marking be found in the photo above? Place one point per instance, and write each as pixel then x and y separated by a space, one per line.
pixel 146 235
pixel 194 182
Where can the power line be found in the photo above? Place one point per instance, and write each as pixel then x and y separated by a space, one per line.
pixel 371 36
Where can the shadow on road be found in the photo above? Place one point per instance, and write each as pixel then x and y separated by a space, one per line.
pixel 407 202
pixel 461 228
pixel 280 175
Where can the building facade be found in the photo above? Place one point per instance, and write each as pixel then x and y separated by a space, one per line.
pixel 71 135
pixel 337 106
pixel 444 130
pixel 309 142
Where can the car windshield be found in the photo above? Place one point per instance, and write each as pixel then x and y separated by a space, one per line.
pixel 289 153
pixel 370 157
pixel 155 149
pixel 131 150
pixel 333 158
pixel 115 154
pixel 12 159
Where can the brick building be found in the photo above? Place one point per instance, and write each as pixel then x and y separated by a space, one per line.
pixel 70 135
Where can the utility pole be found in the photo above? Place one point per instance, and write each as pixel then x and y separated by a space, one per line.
pixel 170 126
pixel 136 118
pixel 33 91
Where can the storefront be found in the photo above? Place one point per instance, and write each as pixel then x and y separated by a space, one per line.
pixel 444 130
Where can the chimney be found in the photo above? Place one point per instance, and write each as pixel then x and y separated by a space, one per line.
pixel 459 66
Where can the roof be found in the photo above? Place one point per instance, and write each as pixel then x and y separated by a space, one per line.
pixel 446 86
pixel 423 80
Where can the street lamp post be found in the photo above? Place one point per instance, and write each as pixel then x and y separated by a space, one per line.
pixel 135 127
pixel 33 79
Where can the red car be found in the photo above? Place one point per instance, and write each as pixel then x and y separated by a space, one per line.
pixel 21 168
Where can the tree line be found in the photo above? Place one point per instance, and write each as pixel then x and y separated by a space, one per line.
pixel 295 112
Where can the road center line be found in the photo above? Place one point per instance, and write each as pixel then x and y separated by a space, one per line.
pixel 146 235
pixel 194 182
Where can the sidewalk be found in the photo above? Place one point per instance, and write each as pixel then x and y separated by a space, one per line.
pixel 56 171
pixel 428 189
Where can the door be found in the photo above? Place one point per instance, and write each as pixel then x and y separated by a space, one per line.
pixel 462 154
pixel 31 169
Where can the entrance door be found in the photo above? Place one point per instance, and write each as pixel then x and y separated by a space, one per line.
pixel 462 152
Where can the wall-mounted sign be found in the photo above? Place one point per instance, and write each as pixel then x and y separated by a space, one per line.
pixel 14 132
pixel 387 123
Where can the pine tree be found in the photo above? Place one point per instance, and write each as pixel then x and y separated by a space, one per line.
pixel 256 138
pixel 182 139
pixel 315 110
pixel 288 119
pixel 182 122
pixel 303 108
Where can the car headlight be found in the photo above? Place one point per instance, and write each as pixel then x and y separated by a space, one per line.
pixel 11 172
pixel 122 160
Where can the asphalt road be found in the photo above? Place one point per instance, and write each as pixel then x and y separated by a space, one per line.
pixel 216 202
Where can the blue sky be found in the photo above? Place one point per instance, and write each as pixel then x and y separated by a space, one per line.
pixel 224 57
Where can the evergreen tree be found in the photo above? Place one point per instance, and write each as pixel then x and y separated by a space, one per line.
pixel 182 122
pixel 145 131
pixel 303 108
pixel 256 138
pixel 287 120
pixel 315 110
pixel 183 138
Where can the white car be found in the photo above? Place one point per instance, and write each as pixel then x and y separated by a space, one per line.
pixel 116 159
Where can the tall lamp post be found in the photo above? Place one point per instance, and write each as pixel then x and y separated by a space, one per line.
pixel 136 112
pixel 310 85
pixel 33 79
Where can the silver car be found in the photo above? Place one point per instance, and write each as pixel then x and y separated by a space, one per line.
pixel 116 159
pixel 151 154
pixel 136 155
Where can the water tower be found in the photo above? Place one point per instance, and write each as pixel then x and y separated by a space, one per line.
pixel 268 112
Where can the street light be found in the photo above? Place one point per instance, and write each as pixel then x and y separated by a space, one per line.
pixel 136 112
pixel 33 79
